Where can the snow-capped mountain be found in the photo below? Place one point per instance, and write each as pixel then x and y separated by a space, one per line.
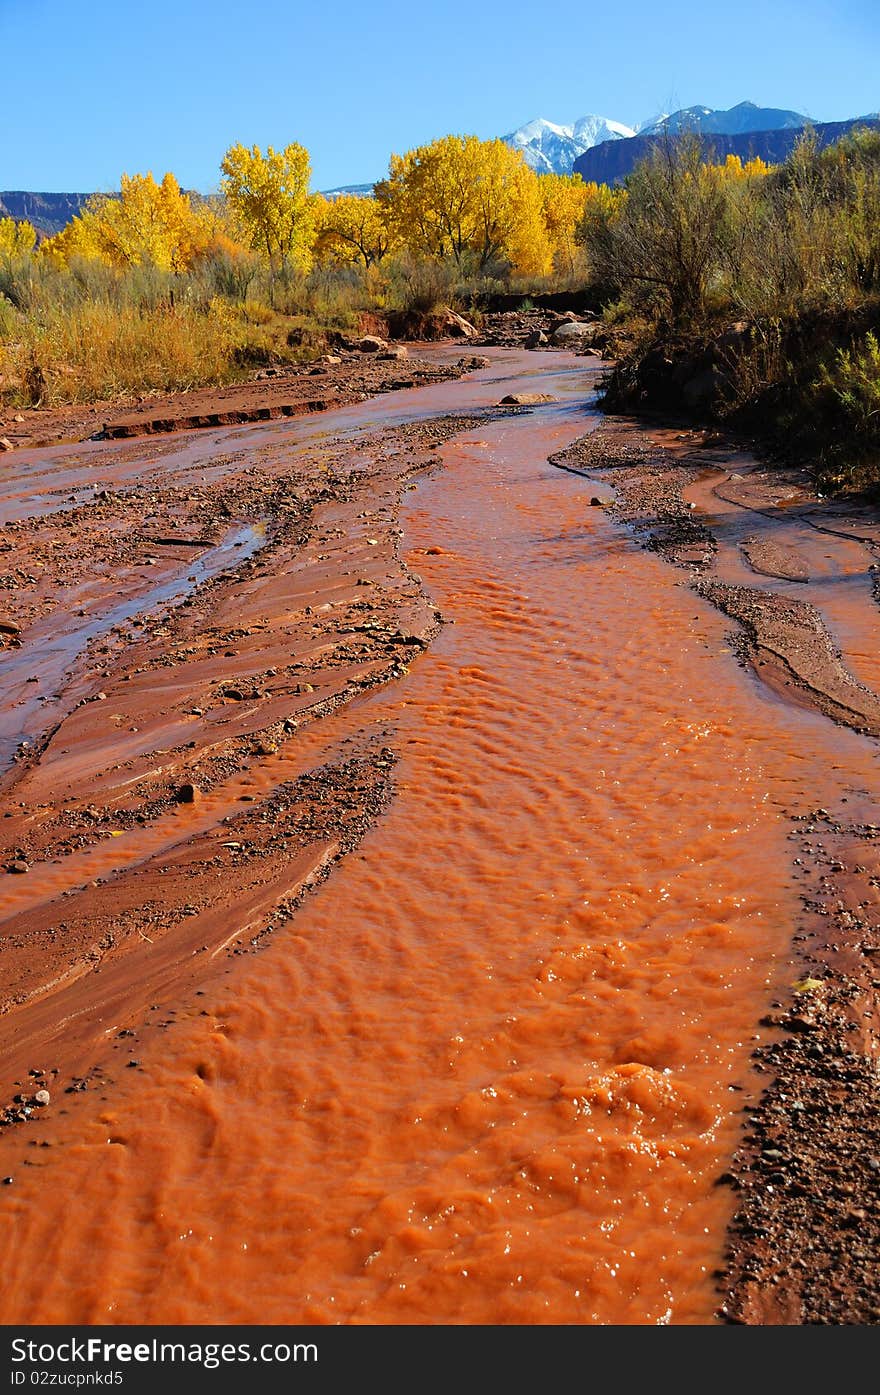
pixel 740 120
pixel 552 149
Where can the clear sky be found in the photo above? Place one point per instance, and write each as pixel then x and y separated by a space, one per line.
pixel 95 88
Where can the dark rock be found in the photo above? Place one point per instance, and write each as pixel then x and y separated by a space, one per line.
pixel 701 390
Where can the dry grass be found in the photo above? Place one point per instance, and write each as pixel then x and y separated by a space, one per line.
pixel 97 350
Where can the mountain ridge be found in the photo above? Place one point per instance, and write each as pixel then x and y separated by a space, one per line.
pixel 599 148
pixel 611 161
pixel 551 148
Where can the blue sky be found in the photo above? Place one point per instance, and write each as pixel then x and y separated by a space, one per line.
pixel 95 88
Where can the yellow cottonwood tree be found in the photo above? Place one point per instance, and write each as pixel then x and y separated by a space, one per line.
pixel 270 195
pixel 563 200
pixel 353 229
pixel 735 168
pixel 16 239
pixel 149 224
pixel 474 201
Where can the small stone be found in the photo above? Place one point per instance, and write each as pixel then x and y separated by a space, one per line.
pixel 5 443
pixel 42 1097
pixel 187 794
pixel 19 865
pixel 526 399
pixel 7 1181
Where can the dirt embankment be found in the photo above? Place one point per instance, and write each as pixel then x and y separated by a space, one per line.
pixel 803 1243
pixel 339 379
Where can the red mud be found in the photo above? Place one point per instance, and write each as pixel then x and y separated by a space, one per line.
pixel 527 873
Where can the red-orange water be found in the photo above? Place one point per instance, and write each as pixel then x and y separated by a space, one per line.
pixel 488 1073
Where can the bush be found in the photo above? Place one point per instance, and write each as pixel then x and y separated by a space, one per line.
pixel 662 243
pixel 847 407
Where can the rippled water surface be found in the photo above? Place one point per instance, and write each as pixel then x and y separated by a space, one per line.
pixel 493 1069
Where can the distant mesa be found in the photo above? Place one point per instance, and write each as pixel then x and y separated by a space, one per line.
pixel 48 213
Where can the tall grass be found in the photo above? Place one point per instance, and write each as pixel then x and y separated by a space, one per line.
pixel 96 350
pixel 90 332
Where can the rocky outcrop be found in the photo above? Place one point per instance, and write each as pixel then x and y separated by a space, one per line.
pixel 696 379
pixel 429 325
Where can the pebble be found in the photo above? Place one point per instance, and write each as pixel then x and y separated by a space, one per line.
pixel 42 1097
pixel 20 866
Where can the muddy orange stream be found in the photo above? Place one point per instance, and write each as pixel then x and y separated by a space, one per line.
pixel 492 1070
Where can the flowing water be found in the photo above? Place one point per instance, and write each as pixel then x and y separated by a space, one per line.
pixel 41 665
pixel 493 1068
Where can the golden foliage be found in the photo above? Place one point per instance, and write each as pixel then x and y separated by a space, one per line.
pixel 474 201
pixel 16 239
pixel 352 229
pixel 270 195
pixel 149 224
pixel 563 200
